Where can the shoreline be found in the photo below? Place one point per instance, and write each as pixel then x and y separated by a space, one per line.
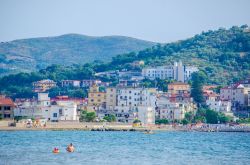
pixel 141 129
pixel 95 126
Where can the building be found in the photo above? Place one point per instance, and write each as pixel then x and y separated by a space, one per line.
pixel 111 98
pixel 173 110
pixel 161 72
pixel 63 110
pixel 235 93
pixel 134 97
pixel 178 72
pixel 96 98
pixel 90 83
pixel 6 107
pixel 188 70
pixel 170 110
pixel 128 104
pixel 219 106
pixel 43 85
pixel 129 83
pixel 146 114
pixel 45 108
pixel 178 88
pixel 70 83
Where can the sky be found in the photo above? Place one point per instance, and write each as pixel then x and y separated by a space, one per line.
pixel 154 20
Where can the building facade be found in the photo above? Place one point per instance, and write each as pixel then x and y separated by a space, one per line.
pixel 178 88
pixel 45 108
pixel 6 107
pixel 96 98
pixel 70 83
pixel 178 72
pixel 43 85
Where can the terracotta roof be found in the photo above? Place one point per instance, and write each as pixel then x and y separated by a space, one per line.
pixel 211 94
pixel 6 101
pixel 178 83
pixel 234 86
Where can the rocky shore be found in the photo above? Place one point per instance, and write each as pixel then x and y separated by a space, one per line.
pixel 79 126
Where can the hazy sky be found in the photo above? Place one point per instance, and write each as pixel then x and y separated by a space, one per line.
pixel 154 20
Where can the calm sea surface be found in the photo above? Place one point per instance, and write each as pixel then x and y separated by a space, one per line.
pixel 120 148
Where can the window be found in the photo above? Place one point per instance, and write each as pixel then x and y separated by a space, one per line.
pixel 7 108
pixel 54 114
pixel 60 111
pixel 6 115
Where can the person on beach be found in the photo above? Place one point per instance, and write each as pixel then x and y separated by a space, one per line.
pixel 70 148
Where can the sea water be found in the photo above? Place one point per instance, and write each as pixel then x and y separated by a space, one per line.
pixel 123 148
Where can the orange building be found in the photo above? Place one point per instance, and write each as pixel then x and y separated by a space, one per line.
pixel 178 88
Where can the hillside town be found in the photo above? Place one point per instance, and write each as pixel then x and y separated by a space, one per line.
pixel 129 101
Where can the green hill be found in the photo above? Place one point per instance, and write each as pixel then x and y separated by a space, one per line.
pixel 223 54
pixel 37 53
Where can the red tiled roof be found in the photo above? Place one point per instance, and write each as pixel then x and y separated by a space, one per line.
pixel 178 83
pixel 211 94
pixel 233 86
pixel 6 101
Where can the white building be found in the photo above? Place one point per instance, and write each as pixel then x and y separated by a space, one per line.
pixel 146 114
pixel 219 106
pixel 177 72
pixel 162 72
pixel 128 103
pixel 134 97
pixel 63 110
pixel 175 110
pixel 188 72
pixel 70 83
pixel 43 108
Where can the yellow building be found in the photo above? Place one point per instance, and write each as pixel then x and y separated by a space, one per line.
pixel 178 88
pixel 43 85
pixel 96 98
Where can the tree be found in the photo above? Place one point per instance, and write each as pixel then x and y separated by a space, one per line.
pixel 136 121
pixel 189 117
pixel 87 116
pixel 198 79
pixel 110 118
pixel 184 121
pixel 162 121
pixel 212 117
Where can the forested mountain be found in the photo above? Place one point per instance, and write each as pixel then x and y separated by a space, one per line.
pixel 223 55
pixel 38 53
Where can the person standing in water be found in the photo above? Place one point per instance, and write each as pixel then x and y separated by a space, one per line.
pixel 70 148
